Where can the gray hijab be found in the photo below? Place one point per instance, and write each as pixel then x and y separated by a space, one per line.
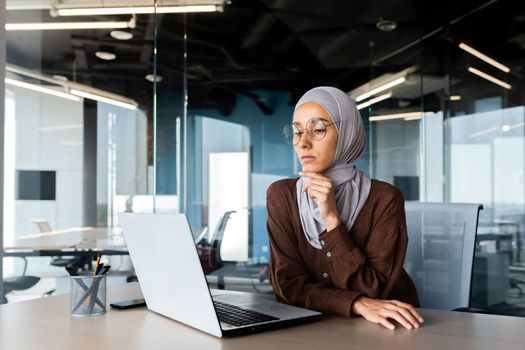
pixel 351 186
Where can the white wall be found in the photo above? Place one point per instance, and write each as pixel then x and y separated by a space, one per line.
pixel 49 136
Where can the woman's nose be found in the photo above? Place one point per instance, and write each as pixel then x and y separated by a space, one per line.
pixel 304 141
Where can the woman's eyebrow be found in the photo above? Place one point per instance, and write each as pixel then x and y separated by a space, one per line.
pixel 319 118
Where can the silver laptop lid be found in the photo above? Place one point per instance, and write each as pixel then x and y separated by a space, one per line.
pixel 167 265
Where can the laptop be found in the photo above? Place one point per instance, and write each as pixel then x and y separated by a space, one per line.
pixel 168 268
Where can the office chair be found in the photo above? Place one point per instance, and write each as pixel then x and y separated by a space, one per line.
pixel 440 253
pixel 210 251
pixel 19 282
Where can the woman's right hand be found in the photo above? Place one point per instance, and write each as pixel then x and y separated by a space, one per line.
pixel 380 311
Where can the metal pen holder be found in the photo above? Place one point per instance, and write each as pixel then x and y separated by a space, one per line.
pixel 88 295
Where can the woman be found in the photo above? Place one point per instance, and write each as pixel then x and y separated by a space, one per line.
pixel 337 238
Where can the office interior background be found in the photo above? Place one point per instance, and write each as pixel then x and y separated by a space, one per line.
pixel 182 112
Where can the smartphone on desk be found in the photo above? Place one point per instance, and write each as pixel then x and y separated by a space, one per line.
pixel 128 304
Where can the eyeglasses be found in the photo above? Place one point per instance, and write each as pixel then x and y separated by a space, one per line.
pixel 315 128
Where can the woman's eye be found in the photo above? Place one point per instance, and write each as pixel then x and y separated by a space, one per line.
pixel 319 131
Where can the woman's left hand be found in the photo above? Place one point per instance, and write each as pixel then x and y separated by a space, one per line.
pixel 320 187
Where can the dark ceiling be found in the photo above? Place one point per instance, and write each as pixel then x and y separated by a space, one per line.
pixel 287 45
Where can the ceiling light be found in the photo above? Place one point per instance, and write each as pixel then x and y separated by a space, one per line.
pixel 108 100
pixel 60 127
pixel 77 89
pixel 67 25
pixel 386 25
pixel 105 55
pixel 151 78
pixel 380 88
pixel 374 100
pixel 505 127
pixel 489 78
pixel 405 116
pixel 42 89
pixel 121 35
pixel 483 132
pixel 59 77
pixel 94 11
pixel 484 57
pixel 455 97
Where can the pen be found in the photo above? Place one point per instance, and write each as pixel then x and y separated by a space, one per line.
pixel 100 267
pixel 71 271
pixel 104 270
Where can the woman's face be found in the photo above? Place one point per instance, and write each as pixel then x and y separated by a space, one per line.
pixel 315 155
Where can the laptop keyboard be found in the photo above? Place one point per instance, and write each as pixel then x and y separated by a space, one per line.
pixel 238 316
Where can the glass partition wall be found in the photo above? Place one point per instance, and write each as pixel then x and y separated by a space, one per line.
pixel 202 101
pixel 444 123
pixel 78 138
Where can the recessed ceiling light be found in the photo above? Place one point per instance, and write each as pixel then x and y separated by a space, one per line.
pixel 105 55
pixel 386 25
pixel 121 35
pixel 505 127
pixel 151 78
pixel 60 77
pixel 455 97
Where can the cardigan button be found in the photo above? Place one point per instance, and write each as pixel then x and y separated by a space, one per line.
pixel 325 275
pixel 322 242
pixel 328 254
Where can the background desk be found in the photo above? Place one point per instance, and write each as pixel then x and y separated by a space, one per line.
pixel 46 324
pixel 76 241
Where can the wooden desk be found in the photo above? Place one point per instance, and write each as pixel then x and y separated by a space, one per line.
pixel 46 324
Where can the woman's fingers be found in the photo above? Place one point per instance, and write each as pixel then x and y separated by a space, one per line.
pixel 316 187
pixel 410 308
pixel 405 313
pixel 312 175
pixel 385 311
pixel 322 183
pixel 315 193
pixel 396 316
pixel 382 320
pixel 386 323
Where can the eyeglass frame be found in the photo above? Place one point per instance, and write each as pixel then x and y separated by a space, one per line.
pixel 302 131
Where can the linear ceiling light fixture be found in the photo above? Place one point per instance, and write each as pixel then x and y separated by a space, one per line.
pixel 42 89
pixel 136 10
pixel 111 101
pixel 76 90
pixel 374 100
pixel 68 25
pixel 489 78
pixel 484 57
pixel 405 116
pixel 380 88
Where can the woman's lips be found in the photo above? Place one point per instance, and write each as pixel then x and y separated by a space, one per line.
pixel 307 158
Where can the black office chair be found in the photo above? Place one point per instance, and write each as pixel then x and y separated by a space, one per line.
pixel 19 283
pixel 210 251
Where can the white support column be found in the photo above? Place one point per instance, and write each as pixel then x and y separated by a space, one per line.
pixel 2 119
